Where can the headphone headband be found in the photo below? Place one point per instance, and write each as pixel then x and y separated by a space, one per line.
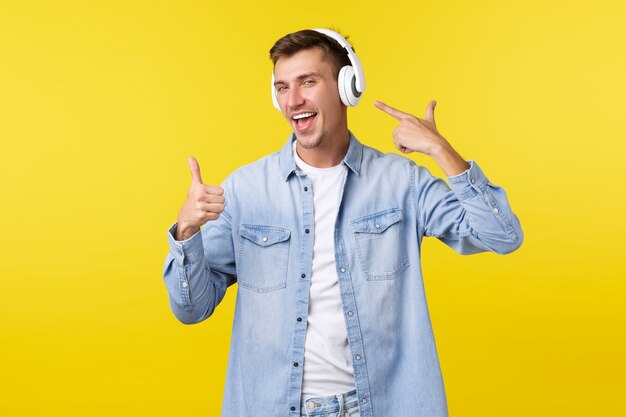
pixel 352 56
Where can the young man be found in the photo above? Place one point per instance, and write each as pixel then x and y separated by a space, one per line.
pixel 324 238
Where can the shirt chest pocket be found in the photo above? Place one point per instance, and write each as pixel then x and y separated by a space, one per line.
pixel 379 243
pixel 263 257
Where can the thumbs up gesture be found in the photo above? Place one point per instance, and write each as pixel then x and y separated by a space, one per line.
pixel 204 203
pixel 414 134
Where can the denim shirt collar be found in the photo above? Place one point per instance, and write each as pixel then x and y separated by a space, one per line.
pixel 352 159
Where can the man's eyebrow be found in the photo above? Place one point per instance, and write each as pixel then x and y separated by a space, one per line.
pixel 300 77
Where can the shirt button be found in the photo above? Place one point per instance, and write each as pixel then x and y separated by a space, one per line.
pixel 306 230
pixel 377 226
pixel 350 313
pixel 364 400
pixel 264 239
pixel 299 319
pixel 472 180
pixel 495 209
pixel 303 276
pixel 293 408
pixel 295 364
pixel 358 357
pixel 306 188
pixel 343 269
pixel 185 284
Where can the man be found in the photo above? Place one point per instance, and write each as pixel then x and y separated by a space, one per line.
pixel 324 238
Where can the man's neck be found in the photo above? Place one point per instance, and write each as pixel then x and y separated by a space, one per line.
pixel 329 153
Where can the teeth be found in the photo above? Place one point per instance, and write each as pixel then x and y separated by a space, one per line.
pixel 302 115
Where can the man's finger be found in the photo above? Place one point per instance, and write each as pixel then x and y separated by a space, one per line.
pixel 212 207
pixel 214 199
pixel 214 189
pixel 430 111
pixel 195 169
pixel 391 111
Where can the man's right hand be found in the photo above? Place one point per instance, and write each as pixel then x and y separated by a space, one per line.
pixel 204 203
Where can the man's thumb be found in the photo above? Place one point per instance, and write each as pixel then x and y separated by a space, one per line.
pixel 195 169
pixel 430 111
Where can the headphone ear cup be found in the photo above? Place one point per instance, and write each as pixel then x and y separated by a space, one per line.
pixel 274 97
pixel 345 82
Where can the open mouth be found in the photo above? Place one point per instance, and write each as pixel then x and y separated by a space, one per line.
pixel 303 121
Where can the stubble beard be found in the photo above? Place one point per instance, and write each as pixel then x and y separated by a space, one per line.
pixel 311 143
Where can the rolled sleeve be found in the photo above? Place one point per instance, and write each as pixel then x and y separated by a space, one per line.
pixel 190 248
pixel 469 182
pixel 472 215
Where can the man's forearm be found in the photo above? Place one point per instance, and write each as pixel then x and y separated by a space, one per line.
pixel 184 233
pixel 449 160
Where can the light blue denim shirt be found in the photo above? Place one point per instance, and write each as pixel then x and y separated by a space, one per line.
pixel 264 241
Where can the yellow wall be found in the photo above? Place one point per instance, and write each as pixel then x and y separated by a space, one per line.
pixel 101 102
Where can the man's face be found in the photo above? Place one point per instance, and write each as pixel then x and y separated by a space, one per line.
pixel 307 92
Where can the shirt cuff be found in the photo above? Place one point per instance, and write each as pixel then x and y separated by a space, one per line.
pixel 469 182
pixel 190 248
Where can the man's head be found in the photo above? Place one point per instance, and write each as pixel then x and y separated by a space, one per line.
pixel 295 42
pixel 306 66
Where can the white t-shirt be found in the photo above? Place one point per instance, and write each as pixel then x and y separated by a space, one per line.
pixel 327 357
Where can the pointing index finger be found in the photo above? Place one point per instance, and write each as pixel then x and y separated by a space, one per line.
pixel 393 112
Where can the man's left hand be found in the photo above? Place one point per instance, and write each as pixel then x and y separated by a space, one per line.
pixel 414 134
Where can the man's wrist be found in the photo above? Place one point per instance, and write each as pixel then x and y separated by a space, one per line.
pixel 450 162
pixel 184 232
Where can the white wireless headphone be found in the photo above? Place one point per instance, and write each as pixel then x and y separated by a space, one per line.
pixel 351 80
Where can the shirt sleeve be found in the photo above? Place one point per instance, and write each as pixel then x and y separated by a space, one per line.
pixel 199 269
pixel 471 215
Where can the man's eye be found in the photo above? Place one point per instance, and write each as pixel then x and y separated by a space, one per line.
pixel 309 82
pixel 281 88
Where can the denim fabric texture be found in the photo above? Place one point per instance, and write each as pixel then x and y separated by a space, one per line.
pixel 264 241
pixel 341 405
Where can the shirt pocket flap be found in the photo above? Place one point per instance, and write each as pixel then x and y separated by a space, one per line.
pixel 264 235
pixel 377 222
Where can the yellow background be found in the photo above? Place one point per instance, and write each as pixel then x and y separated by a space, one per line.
pixel 101 102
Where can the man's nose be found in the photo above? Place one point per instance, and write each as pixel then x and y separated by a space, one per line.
pixel 294 98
